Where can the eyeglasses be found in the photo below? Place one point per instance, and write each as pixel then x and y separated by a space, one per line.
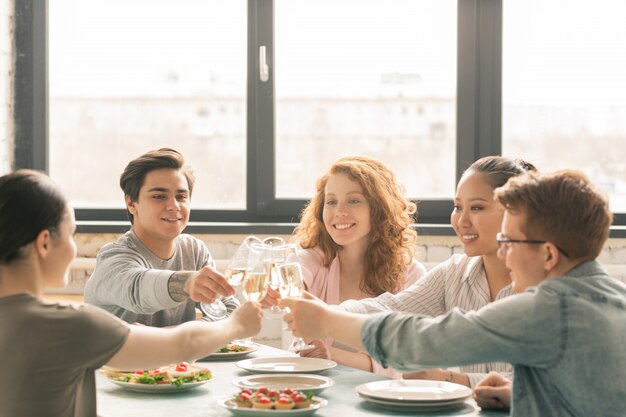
pixel 505 243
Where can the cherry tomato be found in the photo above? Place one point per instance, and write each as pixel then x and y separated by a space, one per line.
pixel 288 391
pixel 181 367
pixel 246 391
pixel 272 393
pixel 139 372
pixel 284 400
pixel 264 400
pixel 298 398
pixel 262 390
pixel 244 396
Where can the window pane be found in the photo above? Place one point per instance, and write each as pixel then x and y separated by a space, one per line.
pixel 370 77
pixel 130 76
pixel 564 89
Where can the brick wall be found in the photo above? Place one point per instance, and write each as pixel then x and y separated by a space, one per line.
pixel 6 70
pixel 430 250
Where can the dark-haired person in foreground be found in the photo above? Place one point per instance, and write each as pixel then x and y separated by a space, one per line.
pixel 49 351
pixel 154 274
pixel 564 330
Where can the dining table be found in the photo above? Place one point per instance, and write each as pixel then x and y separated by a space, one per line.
pixel 206 400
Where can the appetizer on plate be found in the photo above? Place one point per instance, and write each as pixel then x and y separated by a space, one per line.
pixel 234 348
pixel 177 374
pixel 266 399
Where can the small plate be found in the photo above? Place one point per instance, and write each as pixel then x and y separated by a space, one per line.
pixel 217 356
pixel 230 405
pixel 285 365
pixel 414 391
pixel 413 406
pixel 159 388
pixel 298 382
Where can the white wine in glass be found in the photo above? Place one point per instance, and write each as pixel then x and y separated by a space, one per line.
pixel 255 285
pixel 290 275
pixel 235 276
pixel 235 273
pixel 292 272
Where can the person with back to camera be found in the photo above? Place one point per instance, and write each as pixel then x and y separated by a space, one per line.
pixel 154 274
pixel 470 280
pixel 49 350
pixel 564 329
pixel 357 242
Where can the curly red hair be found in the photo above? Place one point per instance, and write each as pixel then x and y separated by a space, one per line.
pixel 392 241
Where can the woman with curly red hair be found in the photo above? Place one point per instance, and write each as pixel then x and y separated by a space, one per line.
pixel 356 237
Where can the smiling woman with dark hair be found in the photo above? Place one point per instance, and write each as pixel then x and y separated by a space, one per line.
pixel 50 350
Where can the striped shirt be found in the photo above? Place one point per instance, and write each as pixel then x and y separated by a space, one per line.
pixel 458 282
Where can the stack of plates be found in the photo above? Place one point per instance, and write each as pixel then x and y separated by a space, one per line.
pixel 414 394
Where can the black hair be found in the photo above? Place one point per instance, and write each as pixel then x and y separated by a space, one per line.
pixel 498 169
pixel 29 203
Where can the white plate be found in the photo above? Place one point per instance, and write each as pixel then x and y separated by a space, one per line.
pixel 232 355
pixel 414 390
pixel 413 406
pixel 298 382
pixel 159 388
pixel 286 365
pixel 316 403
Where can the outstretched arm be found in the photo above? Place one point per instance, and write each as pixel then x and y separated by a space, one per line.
pixel 313 319
pixel 149 347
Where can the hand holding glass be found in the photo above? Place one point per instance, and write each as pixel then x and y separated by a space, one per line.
pixel 291 272
pixel 235 273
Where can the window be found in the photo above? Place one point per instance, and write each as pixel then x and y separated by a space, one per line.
pixel 564 90
pixel 349 75
pixel 427 114
pixel 129 76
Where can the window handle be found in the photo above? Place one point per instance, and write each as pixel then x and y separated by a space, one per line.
pixel 264 69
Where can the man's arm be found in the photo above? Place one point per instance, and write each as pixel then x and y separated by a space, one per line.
pixel 519 329
pixel 313 319
pixel 123 278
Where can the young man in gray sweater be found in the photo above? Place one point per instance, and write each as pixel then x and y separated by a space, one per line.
pixel 154 274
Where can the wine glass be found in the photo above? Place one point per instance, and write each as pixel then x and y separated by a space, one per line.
pixel 276 252
pixel 236 271
pixel 291 272
pixel 257 279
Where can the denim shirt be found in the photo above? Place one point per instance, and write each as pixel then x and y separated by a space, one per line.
pixel 566 339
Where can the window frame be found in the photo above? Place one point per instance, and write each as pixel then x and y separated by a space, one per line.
pixel 478 125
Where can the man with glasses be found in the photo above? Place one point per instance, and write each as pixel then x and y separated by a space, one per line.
pixel 564 331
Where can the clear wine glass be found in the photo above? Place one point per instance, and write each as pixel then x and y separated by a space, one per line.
pixel 291 272
pixel 276 252
pixel 236 271
pixel 257 280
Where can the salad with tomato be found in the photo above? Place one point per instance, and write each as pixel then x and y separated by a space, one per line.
pixel 177 374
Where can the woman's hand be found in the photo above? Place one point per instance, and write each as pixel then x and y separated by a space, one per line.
pixel 247 319
pixel 319 351
pixel 493 391
pixel 439 375
pixel 272 298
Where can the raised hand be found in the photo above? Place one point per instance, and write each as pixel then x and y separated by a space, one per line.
pixel 247 319
pixel 206 285
pixel 306 317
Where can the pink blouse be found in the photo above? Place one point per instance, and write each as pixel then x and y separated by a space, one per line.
pixel 323 282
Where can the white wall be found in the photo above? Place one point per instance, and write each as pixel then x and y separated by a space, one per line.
pixel 6 69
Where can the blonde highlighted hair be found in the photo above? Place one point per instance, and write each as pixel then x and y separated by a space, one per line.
pixel 392 241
